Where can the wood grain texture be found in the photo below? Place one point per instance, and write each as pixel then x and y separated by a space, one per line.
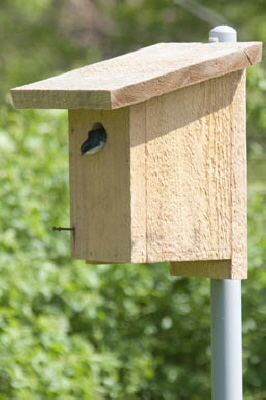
pixel 238 181
pixel 169 184
pixel 233 122
pixel 138 205
pixel 99 188
pixel 107 190
pixel 138 76
pixel 188 172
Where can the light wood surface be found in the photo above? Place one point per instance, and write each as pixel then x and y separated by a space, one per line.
pixel 169 184
pixel 138 205
pixel 138 76
pixel 108 189
pixel 99 188
pixel 188 172
pixel 238 182
pixel 226 182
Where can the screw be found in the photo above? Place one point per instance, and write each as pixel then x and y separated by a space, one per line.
pixel 54 228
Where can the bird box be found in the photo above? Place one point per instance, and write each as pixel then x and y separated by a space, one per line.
pixel 169 183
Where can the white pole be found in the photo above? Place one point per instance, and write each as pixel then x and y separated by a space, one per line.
pixel 226 330
pixel 226 343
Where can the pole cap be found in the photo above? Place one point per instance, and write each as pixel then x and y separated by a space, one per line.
pixel 222 33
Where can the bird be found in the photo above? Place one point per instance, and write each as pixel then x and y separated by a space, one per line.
pixel 97 137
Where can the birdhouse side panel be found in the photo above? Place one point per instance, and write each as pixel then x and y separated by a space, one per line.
pixel 188 172
pixel 239 181
pixel 100 187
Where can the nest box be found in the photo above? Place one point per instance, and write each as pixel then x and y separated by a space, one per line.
pixel 170 181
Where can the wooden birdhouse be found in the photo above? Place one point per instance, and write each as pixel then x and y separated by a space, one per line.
pixel 169 183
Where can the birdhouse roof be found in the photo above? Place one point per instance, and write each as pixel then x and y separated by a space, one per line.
pixel 135 77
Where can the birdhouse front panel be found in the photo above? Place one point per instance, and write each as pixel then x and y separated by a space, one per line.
pixel 107 189
pixel 99 187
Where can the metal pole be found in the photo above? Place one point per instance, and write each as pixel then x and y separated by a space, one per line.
pixel 226 330
pixel 226 341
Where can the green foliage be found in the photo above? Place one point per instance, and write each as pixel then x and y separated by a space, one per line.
pixel 254 292
pixel 34 42
pixel 70 330
pixel 256 112
pixel 74 331
pixel 38 358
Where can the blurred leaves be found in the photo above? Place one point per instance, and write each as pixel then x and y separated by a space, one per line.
pixel 67 329
pixel 256 112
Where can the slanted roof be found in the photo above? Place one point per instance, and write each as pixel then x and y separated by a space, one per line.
pixel 135 77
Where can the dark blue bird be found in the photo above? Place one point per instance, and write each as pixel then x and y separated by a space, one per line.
pixel 97 137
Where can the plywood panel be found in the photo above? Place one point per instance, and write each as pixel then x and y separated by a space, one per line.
pixel 138 183
pixel 238 180
pixel 99 188
pixel 188 171
pixel 138 76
